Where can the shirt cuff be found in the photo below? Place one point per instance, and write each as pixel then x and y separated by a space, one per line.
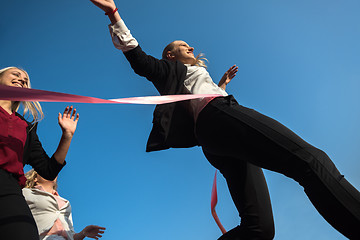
pixel 121 37
pixel 118 28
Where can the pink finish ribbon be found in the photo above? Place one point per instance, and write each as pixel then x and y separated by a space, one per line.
pixel 27 94
pixel 214 200
pixel 163 99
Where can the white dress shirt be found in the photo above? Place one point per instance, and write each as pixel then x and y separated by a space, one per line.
pixel 45 209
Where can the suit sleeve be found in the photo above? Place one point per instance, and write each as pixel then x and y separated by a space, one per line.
pixel 36 156
pixel 155 70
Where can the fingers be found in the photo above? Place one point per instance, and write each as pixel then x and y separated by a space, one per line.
pixel 73 113
pixel 93 231
pixel 233 68
pixel 96 226
pixel 232 71
pixel 66 111
pixel 70 112
pixel 232 74
pixel 99 229
pixel 105 5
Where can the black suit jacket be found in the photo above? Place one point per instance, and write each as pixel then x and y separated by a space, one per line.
pixel 173 124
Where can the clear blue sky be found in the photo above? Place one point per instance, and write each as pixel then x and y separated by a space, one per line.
pixel 298 63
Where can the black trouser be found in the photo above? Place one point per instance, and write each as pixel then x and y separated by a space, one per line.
pixel 231 134
pixel 16 220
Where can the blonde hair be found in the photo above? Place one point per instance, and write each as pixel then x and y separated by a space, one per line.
pixel 30 179
pixel 31 107
pixel 200 59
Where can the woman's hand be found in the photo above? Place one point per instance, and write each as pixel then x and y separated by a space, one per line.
pixel 228 76
pixel 106 5
pixel 93 231
pixel 68 121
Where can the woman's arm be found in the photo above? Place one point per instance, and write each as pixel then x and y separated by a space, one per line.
pixel 35 154
pixel 153 69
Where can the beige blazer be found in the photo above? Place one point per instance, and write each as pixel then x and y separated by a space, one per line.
pixel 45 210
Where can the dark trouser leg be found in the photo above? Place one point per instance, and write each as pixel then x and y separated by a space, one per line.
pixel 225 128
pixel 16 220
pixel 250 194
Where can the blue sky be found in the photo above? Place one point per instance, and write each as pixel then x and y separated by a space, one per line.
pixel 298 63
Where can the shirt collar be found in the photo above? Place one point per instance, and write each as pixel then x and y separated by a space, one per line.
pixel 54 192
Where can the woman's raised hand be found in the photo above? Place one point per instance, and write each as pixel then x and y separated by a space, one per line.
pixel 109 7
pixel 68 121
pixel 228 76
pixel 106 5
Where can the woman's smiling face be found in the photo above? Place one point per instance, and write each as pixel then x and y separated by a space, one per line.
pixel 182 52
pixel 14 77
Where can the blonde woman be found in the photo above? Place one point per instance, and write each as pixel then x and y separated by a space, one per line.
pixel 237 140
pixel 52 213
pixel 19 145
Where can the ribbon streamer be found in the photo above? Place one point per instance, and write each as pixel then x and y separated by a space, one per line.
pixel 214 200
pixel 29 94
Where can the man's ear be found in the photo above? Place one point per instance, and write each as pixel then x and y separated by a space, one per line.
pixel 170 55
